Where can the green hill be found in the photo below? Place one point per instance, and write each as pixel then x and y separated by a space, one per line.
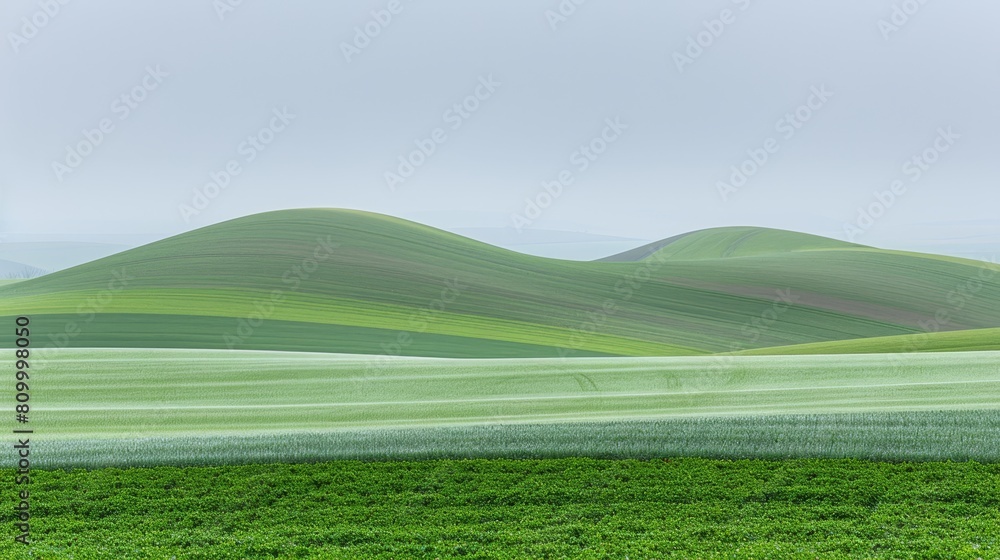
pixel 972 340
pixel 355 282
pixel 729 242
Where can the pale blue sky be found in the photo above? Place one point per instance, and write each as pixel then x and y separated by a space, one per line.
pixel 220 79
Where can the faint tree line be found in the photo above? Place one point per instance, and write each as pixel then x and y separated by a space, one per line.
pixel 26 273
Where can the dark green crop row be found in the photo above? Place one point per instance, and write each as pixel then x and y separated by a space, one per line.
pixel 555 508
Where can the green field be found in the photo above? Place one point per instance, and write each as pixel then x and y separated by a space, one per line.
pixel 954 341
pixel 504 509
pixel 353 282
pixel 181 395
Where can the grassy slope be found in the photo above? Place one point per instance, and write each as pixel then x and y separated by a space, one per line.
pixel 711 291
pixel 730 242
pixel 501 509
pixel 955 341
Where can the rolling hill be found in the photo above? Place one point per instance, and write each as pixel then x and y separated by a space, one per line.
pixel 354 282
pixel 729 242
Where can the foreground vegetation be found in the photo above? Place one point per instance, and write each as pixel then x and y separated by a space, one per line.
pixel 506 509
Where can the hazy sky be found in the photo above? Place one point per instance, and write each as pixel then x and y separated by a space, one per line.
pixel 355 94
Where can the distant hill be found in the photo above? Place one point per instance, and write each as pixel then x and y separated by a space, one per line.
pixel 348 281
pixel 57 255
pixel 18 270
pixel 730 242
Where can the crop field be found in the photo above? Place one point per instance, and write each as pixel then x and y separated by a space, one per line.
pixel 168 397
pixel 887 436
pixel 507 509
